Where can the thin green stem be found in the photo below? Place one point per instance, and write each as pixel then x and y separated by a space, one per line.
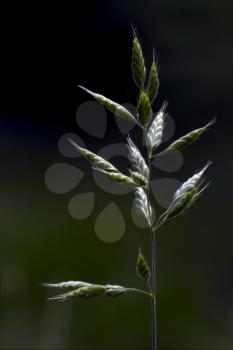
pixel 153 301
pixel 153 276
pixel 153 260
pixel 141 291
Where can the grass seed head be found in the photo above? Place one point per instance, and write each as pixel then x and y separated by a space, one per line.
pixel 112 106
pixel 137 160
pixel 96 160
pixel 139 179
pixel 187 139
pixel 144 108
pixel 88 290
pixel 121 178
pixel 154 134
pixel 138 63
pixel 142 204
pixel 184 197
pixel 153 82
pixel 67 285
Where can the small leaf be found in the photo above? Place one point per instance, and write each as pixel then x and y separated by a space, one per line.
pixel 142 267
pixel 153 82
pixel 185 140
pixel 138 63
pixel 114 107
pixel 144 108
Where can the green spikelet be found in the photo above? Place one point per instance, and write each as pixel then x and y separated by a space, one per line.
pixel 96 160
pixel 142 267
pixel 91 291
pixel 115 292
pixel 144 108
pixel 153 82
pixel 138 63
pixel 187 139
pixel 184 197
pixel 139 179
pixel 105 167
pixel 112 106
pixel 121 178
pixel 85 290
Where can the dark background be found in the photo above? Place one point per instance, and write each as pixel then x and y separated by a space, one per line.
pixel 46 52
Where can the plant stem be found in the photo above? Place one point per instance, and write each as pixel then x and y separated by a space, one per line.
pixel 153 300
pixel 153 277
pixel 153 265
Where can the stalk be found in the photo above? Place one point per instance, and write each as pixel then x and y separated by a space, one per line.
pixel 153 280
pixel 153 284
pixel 153 263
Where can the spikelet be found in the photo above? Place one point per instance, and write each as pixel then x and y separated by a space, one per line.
pixel 185 140
pixel 144 108
pixel 105 167
pixel 81 293
pixel 121 178
pixel 139 179
pixel 114 107
pixel 153 82
pixel 67 285
pixel 154 134
pixel 115 291
pixel 83 290
pixel 138 63
pixel 142 204
pixel 142 267
pixel 184 197
pixel 137 159
pixel 98 161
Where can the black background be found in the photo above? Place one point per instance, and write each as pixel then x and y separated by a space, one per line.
pixel 46 51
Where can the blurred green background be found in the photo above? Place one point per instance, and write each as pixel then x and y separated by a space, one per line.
pixel 47 51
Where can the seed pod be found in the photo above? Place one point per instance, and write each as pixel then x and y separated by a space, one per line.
pixel 144 108
pixel 95 159
pixel 114 107
pixel 138 63
pixel 139 179
pixel 155 133
pixel 184 197
pixel 153 82
pixel 142 267
pixel 192 136
pixel 137 159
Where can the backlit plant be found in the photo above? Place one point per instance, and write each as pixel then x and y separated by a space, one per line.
pixel 152 126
